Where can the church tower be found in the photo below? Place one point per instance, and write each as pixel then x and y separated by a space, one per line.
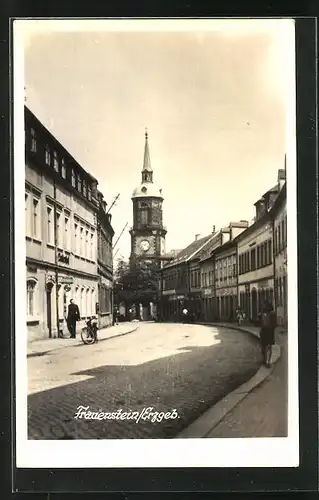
pixel 148 233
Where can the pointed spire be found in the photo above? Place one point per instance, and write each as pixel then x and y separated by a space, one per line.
pixel 147 172
pixel 147 160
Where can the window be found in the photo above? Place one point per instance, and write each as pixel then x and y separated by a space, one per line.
pixel 87 244
pixel 89 193
pixel 234 270
pixel 31 296
pixel 73 177
pixel 282 234
pixel 253 259
pixel 269 251
pixel 47 154
pixel 265 245
pixel 35 218
pixel 79 183
pixel 144 216
pixel 50 225
pixel 84 188
pixel 76 239
pixel 66 232
pixel 55 161
pixel 92 247
pixel 58 229
pixel 27 214
pixel 279 239
pixel 33 141
pixel 81 241
pixel 63 168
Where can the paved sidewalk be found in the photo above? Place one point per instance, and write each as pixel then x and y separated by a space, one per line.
pixel 257 408
pixel 41 347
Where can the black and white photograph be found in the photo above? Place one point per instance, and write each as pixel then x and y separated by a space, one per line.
pixel 155 243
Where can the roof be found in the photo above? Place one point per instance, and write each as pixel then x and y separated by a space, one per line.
pixel 226 246
pixel 29 114
pixel 170 255
pixel 146 189
pixel 279 201
pixel 266 216
pixel 191 251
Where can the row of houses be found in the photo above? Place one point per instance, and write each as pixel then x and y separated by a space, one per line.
pixel 68 236
pixel 240 264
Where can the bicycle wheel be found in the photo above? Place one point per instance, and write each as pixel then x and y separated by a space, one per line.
pixel 86 336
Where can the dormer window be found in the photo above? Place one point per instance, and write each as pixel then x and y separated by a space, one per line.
pixel 63 168
pixel 55 161
pixel 144 189
pixel 84 188
pixel 89 193
pixel 73 177
pixel 79 183
pixel 47 155
pixel 33 141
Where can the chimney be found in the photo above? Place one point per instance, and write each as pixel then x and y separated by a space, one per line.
pixel 197 236
pixel 214 229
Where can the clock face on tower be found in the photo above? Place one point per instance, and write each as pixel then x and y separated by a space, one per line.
pixel 145 245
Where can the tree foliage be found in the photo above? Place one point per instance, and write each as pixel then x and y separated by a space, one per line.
pixel 135 283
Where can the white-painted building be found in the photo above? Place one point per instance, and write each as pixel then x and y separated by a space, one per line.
pixel 280 256
pixel 61 233
pixel 256 266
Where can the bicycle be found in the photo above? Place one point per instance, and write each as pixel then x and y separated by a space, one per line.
pixel 89 332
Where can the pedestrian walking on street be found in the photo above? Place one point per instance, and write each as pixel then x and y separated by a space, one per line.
pixel 267 332
pixel 73 317
pixel 239 315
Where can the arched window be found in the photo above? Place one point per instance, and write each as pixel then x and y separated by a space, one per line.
pixel 31 297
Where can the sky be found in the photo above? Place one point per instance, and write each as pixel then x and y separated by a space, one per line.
pixel 212 96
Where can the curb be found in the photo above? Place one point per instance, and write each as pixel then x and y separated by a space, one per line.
pixel 43 353
pixel 204 424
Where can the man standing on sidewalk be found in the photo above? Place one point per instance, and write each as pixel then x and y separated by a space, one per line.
pixel 267 332
pixel 73 317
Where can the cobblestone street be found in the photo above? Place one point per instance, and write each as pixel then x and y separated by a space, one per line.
pixel 165 366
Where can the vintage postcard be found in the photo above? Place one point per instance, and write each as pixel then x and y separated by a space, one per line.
pixel 155 243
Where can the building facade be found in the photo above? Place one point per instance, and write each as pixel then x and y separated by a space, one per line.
pixel 256 266
pixel 148 232
pixel 181 281
pixel 61 208
pixel 279 215
pixel 105 235
pixel 218 281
